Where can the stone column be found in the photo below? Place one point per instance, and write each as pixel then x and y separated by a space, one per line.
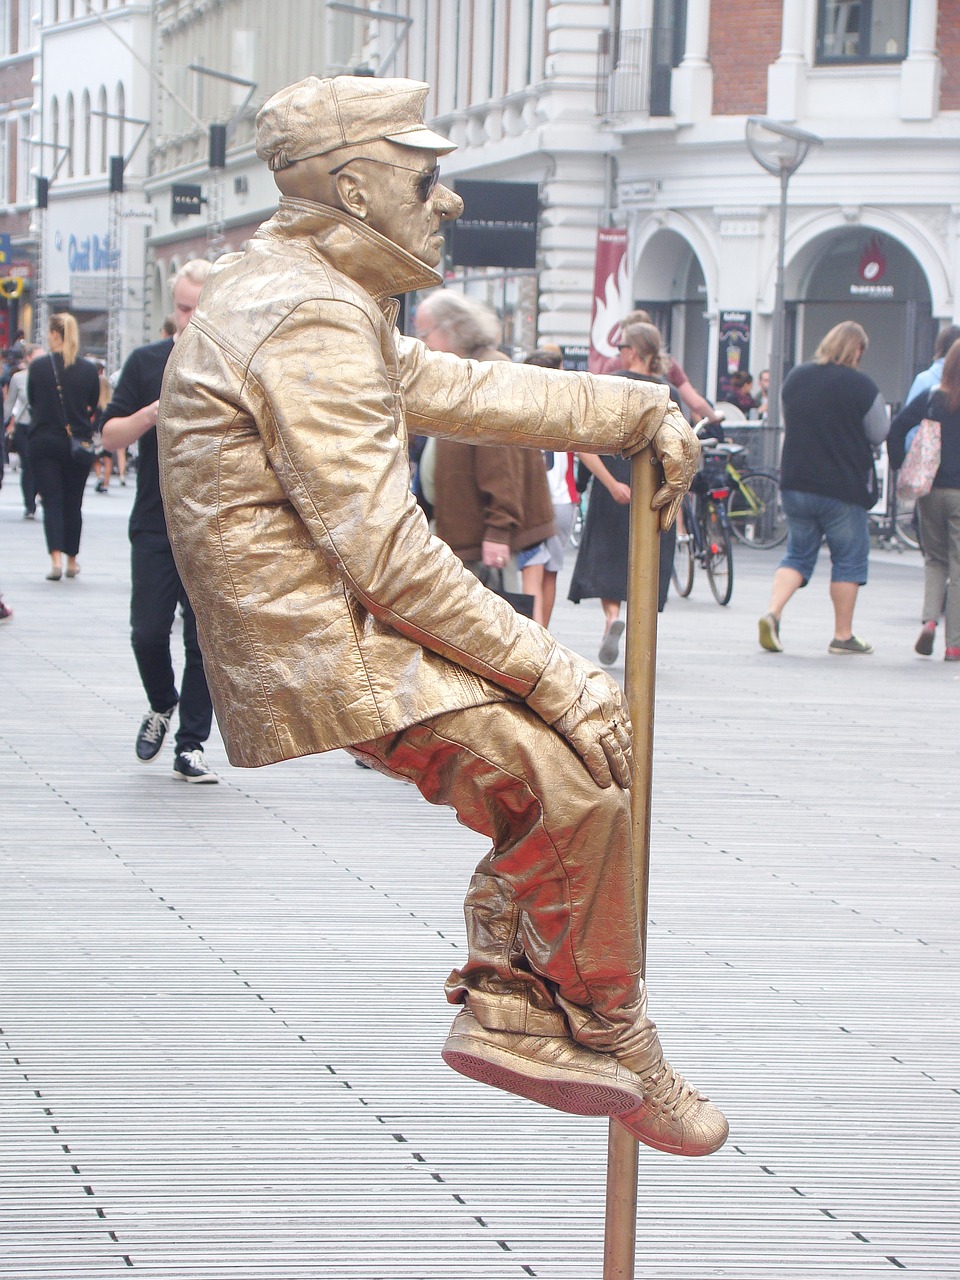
pixel 920 71
pixel 786 78
pixel 691 86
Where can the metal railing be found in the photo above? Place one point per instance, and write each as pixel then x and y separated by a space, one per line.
pixel 633 72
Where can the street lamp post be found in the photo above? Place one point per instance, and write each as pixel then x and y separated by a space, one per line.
pixel 780 149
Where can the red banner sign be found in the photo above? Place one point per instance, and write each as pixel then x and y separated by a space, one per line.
pixel 611 297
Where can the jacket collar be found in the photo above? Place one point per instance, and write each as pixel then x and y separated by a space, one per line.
pixel 375 263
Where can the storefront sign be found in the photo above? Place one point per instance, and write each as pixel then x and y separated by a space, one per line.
pixel 734 338
pixel 610 296
pixel 871 269
pixel 498 226
pixel 90 292
pixel 575 357
pixel 185 199
pixel 89 254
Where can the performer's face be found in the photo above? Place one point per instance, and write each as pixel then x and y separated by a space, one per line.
pixel 405 201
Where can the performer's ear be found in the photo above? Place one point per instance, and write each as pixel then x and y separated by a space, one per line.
pixel 352 193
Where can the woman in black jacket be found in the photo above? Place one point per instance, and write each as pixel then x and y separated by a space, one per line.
pixel 940 509
pixel 63 393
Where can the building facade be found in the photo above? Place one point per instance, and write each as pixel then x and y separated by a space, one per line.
pixel 633 113
pixel 91 105
pixel 216 65
pixel 18 51
pixel 628 114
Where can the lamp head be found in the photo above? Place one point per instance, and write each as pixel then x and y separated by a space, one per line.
pixel 779 148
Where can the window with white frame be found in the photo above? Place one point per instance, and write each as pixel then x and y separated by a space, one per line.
pixel 857 31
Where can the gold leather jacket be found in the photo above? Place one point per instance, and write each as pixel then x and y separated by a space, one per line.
pixel 327 613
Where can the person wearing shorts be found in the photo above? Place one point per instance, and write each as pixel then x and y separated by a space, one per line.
pixel 834 417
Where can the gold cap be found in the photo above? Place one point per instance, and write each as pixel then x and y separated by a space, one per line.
pixel 315 116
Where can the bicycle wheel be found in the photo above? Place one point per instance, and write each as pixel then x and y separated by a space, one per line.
pixel 682 572
pixel 755 510
pixel 907 528
pixel 718 555
pixel 576 532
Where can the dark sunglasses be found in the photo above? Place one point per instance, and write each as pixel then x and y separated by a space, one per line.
pixel 425 187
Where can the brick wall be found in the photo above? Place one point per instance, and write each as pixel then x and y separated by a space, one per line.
pixel 744 40
pixel 948 43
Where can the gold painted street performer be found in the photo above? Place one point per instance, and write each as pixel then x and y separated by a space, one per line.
pixel 329 617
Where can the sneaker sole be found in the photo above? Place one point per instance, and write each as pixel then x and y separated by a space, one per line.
pixel 769 639
pixel 690 1150
pixel 206 778
pixel 850 653
pixel 610 648
pixel 538 1083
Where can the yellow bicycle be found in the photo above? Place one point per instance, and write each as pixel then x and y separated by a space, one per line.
pixel 754 507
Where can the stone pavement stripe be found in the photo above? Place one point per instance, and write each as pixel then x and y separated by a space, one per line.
pixel 225 1003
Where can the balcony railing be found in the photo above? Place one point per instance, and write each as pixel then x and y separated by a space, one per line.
pixel 633 72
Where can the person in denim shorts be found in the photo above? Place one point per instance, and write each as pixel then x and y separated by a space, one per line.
pixel 834 416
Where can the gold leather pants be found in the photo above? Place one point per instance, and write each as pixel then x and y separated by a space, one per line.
pixel 552 934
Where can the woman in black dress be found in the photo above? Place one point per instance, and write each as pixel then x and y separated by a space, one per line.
pixel 601 567
pixel 63 393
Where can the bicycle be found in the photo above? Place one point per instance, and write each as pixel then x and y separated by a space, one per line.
pixel 755 508
pixel 703 536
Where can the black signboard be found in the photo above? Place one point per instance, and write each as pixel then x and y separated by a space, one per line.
pixel 498 226
pixel 734 340
pixel 184 199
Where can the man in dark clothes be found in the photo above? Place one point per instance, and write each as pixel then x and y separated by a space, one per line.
pixel 156 587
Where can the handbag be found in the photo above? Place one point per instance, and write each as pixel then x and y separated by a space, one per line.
pixel 520 601
pixel 916 476
pixel 80 450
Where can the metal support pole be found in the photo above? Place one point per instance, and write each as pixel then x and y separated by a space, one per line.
pixel 776 357
pixel 619 1249
pixel 115 278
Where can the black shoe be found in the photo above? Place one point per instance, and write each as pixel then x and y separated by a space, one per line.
pixel 190 766
pixel 153 730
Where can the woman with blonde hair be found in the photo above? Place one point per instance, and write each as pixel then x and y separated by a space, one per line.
pixel 834 416
pixel 63 392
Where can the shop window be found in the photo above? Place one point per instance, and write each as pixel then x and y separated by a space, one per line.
pixel 855 31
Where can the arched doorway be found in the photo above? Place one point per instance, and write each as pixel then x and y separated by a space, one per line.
pixel 864 275
pixel 669 283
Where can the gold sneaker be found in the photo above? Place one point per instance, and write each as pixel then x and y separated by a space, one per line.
pixel 674 1116
pixel 552 1070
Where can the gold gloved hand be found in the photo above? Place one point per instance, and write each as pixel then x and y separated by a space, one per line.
pixel 596 722
pixel 678 450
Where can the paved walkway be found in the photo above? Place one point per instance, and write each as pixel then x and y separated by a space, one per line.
pixel 222 1007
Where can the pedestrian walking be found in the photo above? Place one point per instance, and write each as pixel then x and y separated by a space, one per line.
pixel 600 570
pixel 17 424
pixel 62 391
pixel 156 587
pixel 940 508
pixel 834 416
pixel 544 563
